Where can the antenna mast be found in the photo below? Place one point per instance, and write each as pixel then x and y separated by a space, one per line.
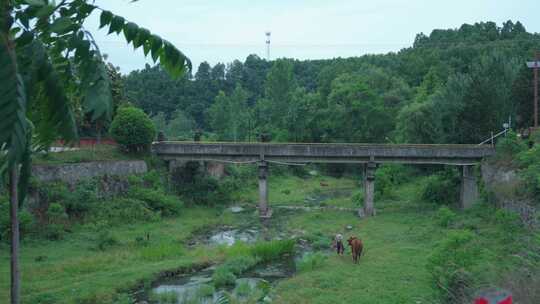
pixel 268 45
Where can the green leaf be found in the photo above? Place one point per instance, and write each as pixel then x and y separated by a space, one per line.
pixel 61 25
pixel 35 2
pixel 23 18
pixel 130 31
pixel 143 35
pixel 86 9
pixel 105 18
pixel 55 113
pixel 45 11
pixel 156 43
pixel 173 61
pixel 146 48
pixel 97 93
pixel 13 132
pixel 83 50
pixel 116 25
pixel 25 38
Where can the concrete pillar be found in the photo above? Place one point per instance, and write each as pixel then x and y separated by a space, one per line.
pixel 469 188
pixel 369 188
pixel 263 190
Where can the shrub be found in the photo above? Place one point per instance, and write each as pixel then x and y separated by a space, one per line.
pixel 26 221
pixel 442 187
pixel 223 277
pixel 105 240
pixel 56 214
pixel 445 216
pixel 54 232
pixel 388 177
pixel 508 221
pixel 133 129
pixel 450 266
pixel 158 201
pixel 357 198
pixel 530 173
pixel 78 202
pixel 193 184
pixel 152 179
pixel 535 137
pixel 320 241
pixel 311 261
pixel 508 147
pixel 123 210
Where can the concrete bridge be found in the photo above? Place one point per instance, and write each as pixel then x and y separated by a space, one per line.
pixel 300 153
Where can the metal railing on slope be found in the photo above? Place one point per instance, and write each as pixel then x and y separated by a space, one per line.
pixel 492 138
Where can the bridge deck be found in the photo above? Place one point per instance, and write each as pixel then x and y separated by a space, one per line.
pixel 323 152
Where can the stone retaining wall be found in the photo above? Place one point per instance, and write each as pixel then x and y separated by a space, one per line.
pixel 71 173
pixel 503 184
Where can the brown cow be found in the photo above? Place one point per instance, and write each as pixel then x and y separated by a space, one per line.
pixel 356 248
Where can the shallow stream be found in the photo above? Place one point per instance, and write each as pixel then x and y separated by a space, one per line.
pixel 198 287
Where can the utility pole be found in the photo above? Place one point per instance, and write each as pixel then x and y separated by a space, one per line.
pixel 535 65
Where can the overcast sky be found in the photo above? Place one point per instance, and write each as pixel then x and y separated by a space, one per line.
pixel 224 30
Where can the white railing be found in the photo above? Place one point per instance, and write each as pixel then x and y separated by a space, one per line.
pixel 492 138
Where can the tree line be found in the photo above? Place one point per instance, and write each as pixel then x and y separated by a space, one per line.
pixel 452 86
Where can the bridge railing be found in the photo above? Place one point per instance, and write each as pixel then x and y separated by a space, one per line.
pixel 491 139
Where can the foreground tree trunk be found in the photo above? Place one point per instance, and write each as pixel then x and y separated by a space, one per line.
pixel 14 202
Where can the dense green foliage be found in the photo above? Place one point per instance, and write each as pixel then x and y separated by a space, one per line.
pixel 60 208
pixel 453 86
pixel 133 129
pixel 26 220
pixel 442 187
pixel 451 264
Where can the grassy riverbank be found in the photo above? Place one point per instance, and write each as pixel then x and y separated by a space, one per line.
pixel 86 267
pixel 75 270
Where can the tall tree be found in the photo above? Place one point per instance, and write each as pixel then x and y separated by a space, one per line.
pixel 279 86
pixel 203 72
pixel 229 117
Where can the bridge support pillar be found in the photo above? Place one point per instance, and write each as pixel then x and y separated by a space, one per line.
pixel 469 188
pixel 264 211
pixel 369 189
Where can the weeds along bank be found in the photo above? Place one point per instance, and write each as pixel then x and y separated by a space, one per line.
pixel 88 248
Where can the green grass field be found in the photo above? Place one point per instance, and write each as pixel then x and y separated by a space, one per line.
pixel 74 270
pixel 398 244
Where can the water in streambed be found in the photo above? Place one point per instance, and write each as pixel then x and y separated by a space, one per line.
pixel 198 287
